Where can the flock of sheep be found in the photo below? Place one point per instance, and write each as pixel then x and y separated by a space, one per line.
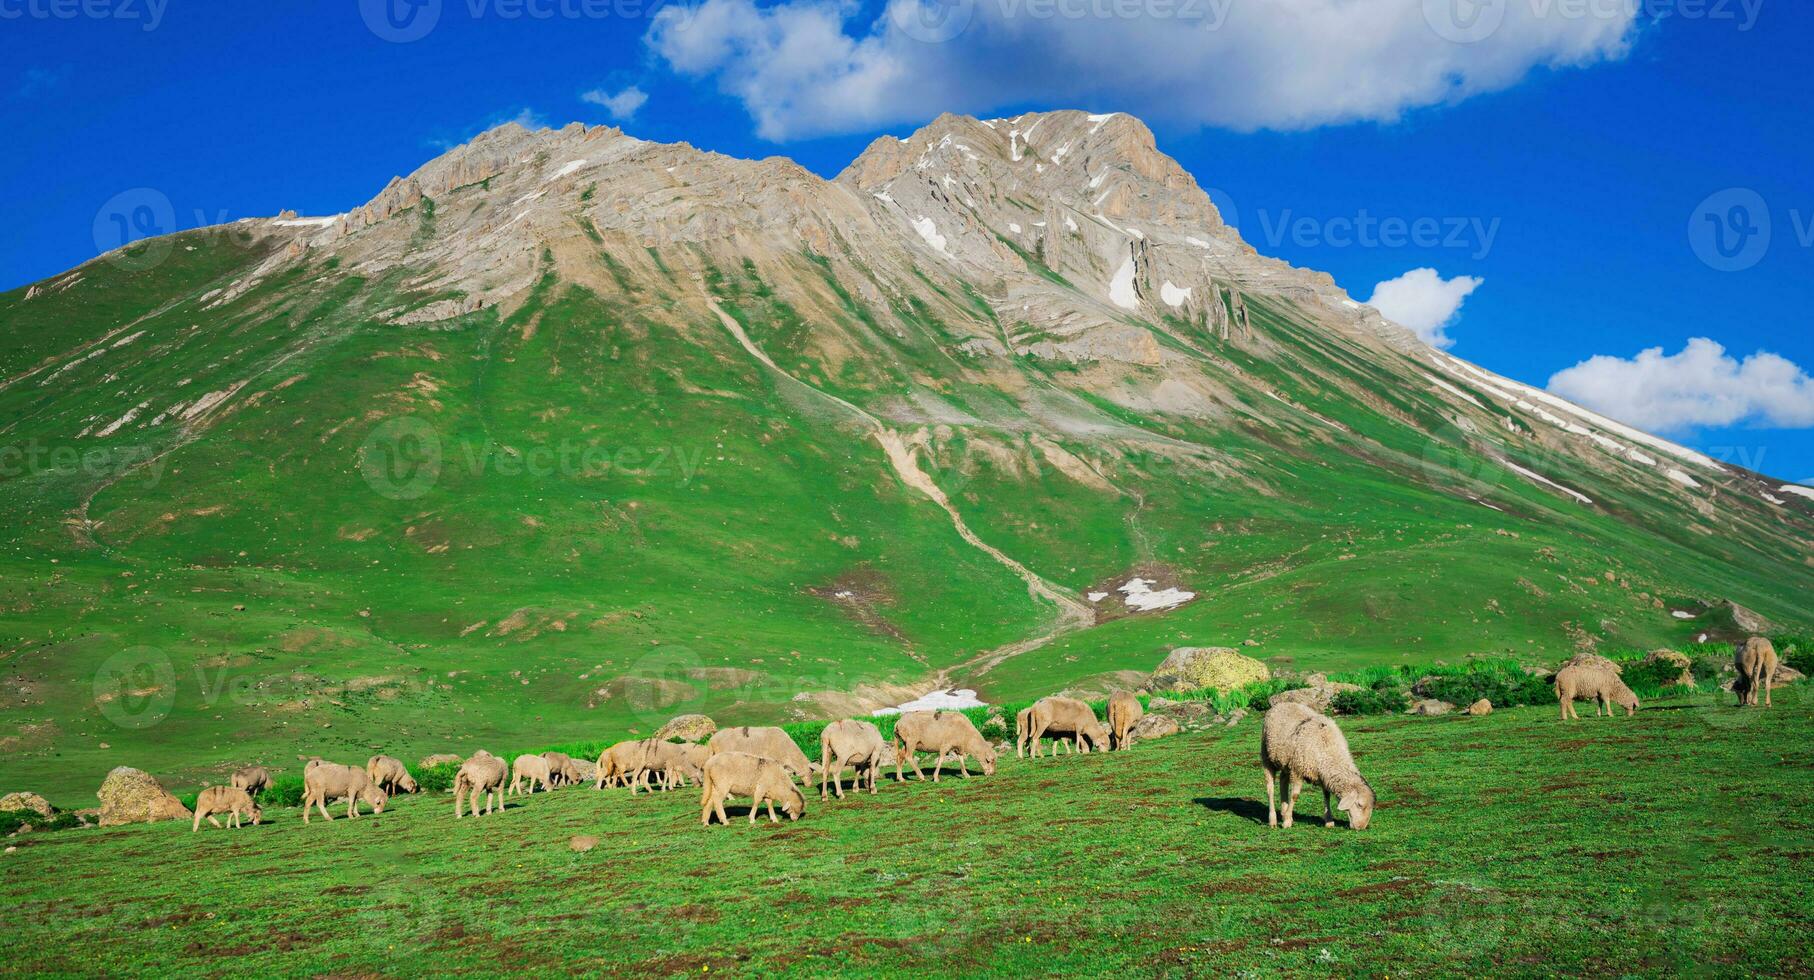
pixel 1297 744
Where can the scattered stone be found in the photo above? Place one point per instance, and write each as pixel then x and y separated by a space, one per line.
pixel 1481 707
pixel 588 771
pixel 995 723
pixel 1152 726
pixel 1183 711
pixel 1250 642
pixel 688 728
pixel 1196 668
pixel 1317 697
pixel 1676 660
pixel 131 795
pixel 1431 706
pixel 1235 716
pixel 581 843
pixel 1747 620
pixel 25 801
pixel 12 848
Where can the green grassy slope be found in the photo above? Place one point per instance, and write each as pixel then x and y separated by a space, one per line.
pixel 1514 844
pixel 281 524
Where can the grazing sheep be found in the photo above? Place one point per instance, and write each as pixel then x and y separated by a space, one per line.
pixel 482 775
pixel 527 771
pixel 671 761
pixel 390 775
pixel 944 732
pixel 561 768
pixel 230 800
pixel 1305 746
pixel 1065 716
pixel 1124 712
pixel 763 780
pixel 619 764
pixel 1589 683
pixel 854 743
pixel 1756 661
pixel 769 743
pixel 325 781
pixel 253 779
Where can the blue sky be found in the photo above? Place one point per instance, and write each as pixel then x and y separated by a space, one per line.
pixel 1570 166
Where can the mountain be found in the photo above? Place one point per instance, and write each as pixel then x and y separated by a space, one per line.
pixel 567 432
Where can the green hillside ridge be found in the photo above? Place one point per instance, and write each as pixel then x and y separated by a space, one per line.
pixel 258 514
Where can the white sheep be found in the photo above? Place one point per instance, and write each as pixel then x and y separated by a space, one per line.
pixel 763 780
pixel 1756 662
pixel 854 743
pixel 1297 742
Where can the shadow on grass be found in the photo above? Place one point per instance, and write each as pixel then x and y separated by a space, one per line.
pixel 1248 809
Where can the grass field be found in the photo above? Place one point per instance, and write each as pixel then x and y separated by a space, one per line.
pixel 1674 842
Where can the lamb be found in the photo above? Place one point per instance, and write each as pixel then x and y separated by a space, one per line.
pixel 324 781
pixel 483 774
pixel 620 764
pixel 1124 712
pixel 231 800
pixel 769 743
pixel 855 743
pixel 1064 716
pixel 1590 683
pixel 561 768
pixel 944 732
pixel 763 780
pixel 1297 742
pixel 1756 662
pixel 528 771
pixel 253 779
pixel 390 775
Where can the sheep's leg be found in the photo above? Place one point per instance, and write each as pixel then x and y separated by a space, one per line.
pixel 771 810
pixel 214 820
pixel 963 764
pixel 1764 682
pixel 837 777
pixel 197 825
pixel 913 756
pixel 1291 797
pixel 1039 732
pixel 938 766
pixel 1272 790
pixel 1328 811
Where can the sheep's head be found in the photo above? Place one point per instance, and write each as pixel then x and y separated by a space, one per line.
pixel 258 815
pixel 795 806
pixel 376 797
pixel 1358 805
pixel 985 754
pixel 1628 701
pixel 408 784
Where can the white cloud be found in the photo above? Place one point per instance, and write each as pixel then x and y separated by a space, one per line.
pixel 1701 386
pixel 621 105
pixel 1424 302
pixel 809 67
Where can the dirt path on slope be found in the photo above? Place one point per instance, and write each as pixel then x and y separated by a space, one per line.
pixel 1073 615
